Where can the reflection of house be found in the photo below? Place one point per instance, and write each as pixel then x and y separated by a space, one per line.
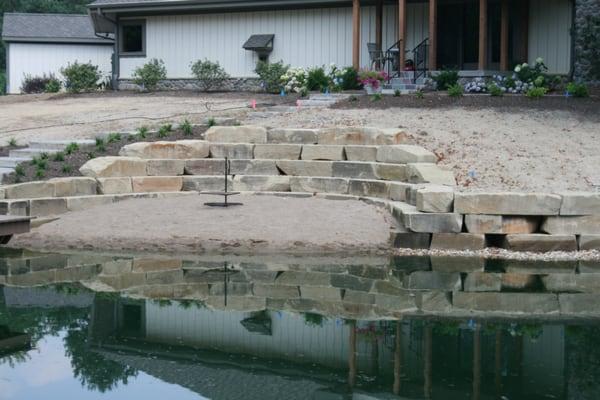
pixel 214 346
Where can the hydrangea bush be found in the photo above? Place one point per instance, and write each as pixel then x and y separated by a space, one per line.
pixel 524 78
pixel 331 77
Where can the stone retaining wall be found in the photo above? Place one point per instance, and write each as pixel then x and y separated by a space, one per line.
pixel 230 85
pixel 352 290
pixel 371 164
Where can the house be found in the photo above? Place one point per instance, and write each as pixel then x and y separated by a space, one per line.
pixel 38 44
pixel 475 36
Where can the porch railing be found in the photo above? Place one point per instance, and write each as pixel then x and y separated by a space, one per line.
pixel 420 59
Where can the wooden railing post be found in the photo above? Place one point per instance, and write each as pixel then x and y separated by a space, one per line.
pixel 401 34
pixel 356 33
pixel 504 36
pixel 483 27
pixel 432 35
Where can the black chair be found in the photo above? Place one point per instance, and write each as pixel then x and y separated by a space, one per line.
pixel 376 56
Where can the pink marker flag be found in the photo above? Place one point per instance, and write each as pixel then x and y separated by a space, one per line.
pixel 253 104
pixel 298 104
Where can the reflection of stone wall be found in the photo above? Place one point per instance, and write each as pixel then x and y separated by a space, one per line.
pixel 587 52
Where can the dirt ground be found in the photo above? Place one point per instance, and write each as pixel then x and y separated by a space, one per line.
pixel 262 225
pixel 507 143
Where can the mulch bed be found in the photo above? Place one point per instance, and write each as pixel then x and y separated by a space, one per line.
pixel 587 107
pixel 71 163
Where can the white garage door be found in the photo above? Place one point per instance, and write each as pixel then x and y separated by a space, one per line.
pixel 37 59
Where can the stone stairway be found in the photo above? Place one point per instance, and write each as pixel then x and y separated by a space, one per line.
pixel 322 100
pixel 404 83
pixel 35 149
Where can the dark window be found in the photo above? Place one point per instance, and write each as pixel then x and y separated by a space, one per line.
pixel 132 37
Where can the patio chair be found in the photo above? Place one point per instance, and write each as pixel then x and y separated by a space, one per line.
pixel 376 56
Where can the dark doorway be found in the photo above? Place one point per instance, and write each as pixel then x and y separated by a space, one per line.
pixel 458 35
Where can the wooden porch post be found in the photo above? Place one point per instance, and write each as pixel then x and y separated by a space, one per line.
pixel 401 34
pixel 379 26
pixel 483 27
pixel 504 36
pixel 356 33
pixel 432 35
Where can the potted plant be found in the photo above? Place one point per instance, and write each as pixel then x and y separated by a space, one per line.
pixel 372 80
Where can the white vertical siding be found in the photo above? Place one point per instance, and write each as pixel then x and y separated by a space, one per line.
pixel 549 34
pixel 44 58
pixel 303 38
pixel 291 337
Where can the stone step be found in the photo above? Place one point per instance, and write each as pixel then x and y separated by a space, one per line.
pixel 59 144
pixel 30 153
pixel 11 162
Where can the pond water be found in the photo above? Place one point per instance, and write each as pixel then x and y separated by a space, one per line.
pixel 118 327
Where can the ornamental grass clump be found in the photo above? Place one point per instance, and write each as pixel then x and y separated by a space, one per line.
pixel 186 128
pixel 455 90
pixel 536 92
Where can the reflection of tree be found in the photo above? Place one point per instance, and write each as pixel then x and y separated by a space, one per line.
pixel 94 371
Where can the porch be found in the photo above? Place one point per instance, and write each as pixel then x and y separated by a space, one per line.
pixel 476 37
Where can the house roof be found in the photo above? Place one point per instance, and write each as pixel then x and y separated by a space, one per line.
pixel 52 28
pixel 210 4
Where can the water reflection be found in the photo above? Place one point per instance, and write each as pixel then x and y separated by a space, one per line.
pixel 110 339
pixel 300 328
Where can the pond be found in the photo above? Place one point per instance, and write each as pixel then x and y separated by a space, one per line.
pixel 88 326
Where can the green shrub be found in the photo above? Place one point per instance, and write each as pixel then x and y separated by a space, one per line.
pixel 44 156
pixel 352 98
pixel 303 92
pixel 81 77
pixel 149 74
pixel 71 148
pixel 455 90
pixel 210 75
pixel 99 141
pixel 90 155
pixel 376 97
pixel 40 163
pixel 19 170
pixel 2 83
pixel 445 79
pixel 113 137
pixel 142 132
pixel 419 94
pixel 164 130
pixel 39 173
pixel 59 157
pixel 577 89
pixel 317 79
pixel 345 79
pixel 211 122
pixel 186 128
pixel 53 86
pixel 270 75
pixel 397 93
pixel 495 90
pixel 35 84
pixel 12 142
pixel 66 169
pixel 536 92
